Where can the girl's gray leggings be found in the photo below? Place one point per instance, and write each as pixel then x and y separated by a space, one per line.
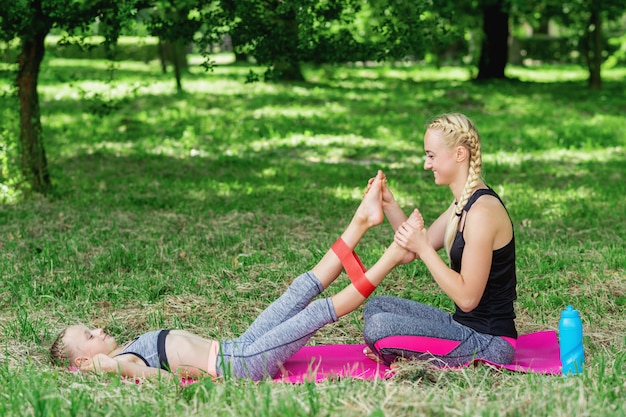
pixel 278 332
pixel 396 327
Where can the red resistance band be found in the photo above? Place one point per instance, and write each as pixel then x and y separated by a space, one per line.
pixel 354 268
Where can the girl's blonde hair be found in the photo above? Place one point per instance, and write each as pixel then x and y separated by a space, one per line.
pixel 458 130
pixel 59 352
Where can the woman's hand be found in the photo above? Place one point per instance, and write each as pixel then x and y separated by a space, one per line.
pixel 411 235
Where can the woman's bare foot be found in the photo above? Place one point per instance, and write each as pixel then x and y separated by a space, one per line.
pixel 371 209
pixel 371 355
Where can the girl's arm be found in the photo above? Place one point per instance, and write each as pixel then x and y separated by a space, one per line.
pixel 122 366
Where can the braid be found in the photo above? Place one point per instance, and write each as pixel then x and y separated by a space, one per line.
pixel 59 351
pixel 457 129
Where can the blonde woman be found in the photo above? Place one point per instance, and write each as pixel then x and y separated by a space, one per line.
pixel 477 233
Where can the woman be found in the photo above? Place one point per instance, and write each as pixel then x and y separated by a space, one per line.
pixel 279 331
pixel 477 233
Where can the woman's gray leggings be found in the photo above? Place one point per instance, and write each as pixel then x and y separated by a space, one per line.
pixel 387 319
pixel 278 332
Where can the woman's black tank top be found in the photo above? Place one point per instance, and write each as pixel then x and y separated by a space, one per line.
pixel 494 314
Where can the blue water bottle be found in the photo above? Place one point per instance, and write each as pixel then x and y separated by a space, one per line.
pixel 571 342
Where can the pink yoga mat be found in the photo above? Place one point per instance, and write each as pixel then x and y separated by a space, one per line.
pixel 535 352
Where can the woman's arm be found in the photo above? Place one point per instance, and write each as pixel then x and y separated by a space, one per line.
pixel 435 234
pixel 466 288
pixel 393 212
pixel 437 230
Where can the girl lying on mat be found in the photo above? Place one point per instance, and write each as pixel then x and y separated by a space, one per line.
pixel 279 331
pixel 477 234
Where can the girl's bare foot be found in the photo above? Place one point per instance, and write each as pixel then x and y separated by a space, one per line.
pixel 387 195
pixel 416 220
pixel 402 255
pixel 371 180
pixel 371 209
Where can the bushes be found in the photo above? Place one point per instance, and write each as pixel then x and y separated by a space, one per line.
pixel 554 49
pixel 543 48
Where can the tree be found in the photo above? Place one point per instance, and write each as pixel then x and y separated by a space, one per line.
pixel 270 30
pixel 30 22
pixel 178 24
pixel 492 17
pixel 586 18
pixel 409 29
pixel 494 51
pixel 584 21
pixel 282 35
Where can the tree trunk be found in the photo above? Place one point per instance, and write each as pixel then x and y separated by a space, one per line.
pixel 494 49
pixel 287 65
pixel 288 70
pixel 240 57
pixel 163 55
pixel 34 163
pixel 179 61
pixel 594 51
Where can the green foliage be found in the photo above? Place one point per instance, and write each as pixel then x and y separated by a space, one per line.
pixel 281 35
pixel 618 45
pixel 575 19
pixel 127 48
pixel 405 27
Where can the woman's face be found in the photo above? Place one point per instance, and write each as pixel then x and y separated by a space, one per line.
pixel 440 159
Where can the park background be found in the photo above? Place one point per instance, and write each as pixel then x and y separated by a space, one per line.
pixel 163 179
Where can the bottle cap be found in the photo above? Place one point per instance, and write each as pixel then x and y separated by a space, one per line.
pixel 570 312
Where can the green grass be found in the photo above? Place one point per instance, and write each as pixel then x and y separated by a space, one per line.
pixel 195 210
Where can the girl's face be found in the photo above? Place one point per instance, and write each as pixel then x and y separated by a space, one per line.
pixel 85 342
pixel 440 159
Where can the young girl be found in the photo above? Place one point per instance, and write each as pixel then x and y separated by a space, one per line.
pixel 279 331
pixel 477 234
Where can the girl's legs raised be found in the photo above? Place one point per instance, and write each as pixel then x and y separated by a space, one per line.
pixel 367 215
pixel 305 287
pixel 279 332
pixel 288 323
pixel 261 357
pixel 350 297
pixel 297 296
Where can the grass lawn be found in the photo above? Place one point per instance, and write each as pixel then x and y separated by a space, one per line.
pixel 195 210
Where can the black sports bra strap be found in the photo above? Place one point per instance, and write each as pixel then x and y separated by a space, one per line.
pixel 477 194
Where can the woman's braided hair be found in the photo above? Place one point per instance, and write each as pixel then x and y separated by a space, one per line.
pixel 458 130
